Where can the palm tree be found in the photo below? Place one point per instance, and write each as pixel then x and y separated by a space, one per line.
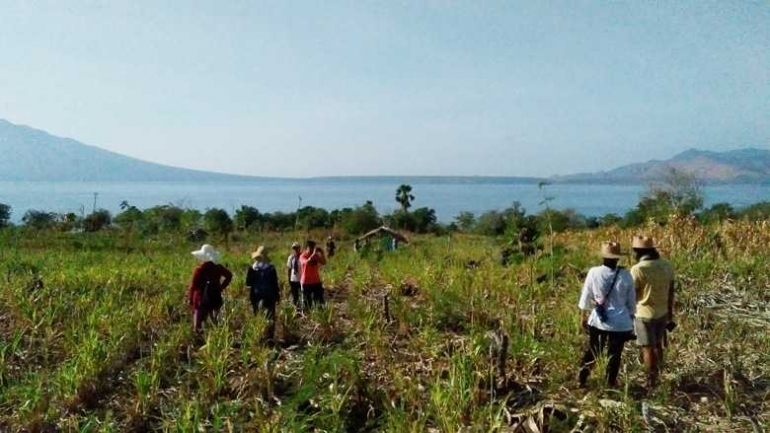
pixel 404 197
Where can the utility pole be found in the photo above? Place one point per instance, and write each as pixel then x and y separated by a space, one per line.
pixel 296 220
pixel 96 195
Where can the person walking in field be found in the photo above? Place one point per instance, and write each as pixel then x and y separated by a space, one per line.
pixel 209 280
pixel 331 247
pixel 293 275
pixel 264 290
pixel 310 262
pixel 608 304
pixel 654 282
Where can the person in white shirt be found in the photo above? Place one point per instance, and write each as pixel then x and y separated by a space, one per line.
pixel 293 274
pixel 608 302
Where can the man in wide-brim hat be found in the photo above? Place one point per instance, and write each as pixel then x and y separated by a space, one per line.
pixel 654 282
pixel 608 302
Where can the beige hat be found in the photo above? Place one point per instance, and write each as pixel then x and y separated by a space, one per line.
pixel 260 254
pixel 207 253
pixel 643 243
pixel 295 245
pixel 611 250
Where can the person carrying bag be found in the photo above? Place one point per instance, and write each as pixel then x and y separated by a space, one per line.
pixel 608 302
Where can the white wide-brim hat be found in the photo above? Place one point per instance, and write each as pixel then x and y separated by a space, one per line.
pixel 207 253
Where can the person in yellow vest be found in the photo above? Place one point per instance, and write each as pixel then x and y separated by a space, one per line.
pixel 654 282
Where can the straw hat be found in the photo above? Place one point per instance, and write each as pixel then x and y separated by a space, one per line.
pixel 643 243
pixel 260 254
pixel 611 250
pixel 207 253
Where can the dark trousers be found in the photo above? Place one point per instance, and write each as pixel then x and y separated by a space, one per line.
pixel 267 304
pixel 263 303
pixel 598 341
pixel 313 294
pixel 200 315
pixel 296 288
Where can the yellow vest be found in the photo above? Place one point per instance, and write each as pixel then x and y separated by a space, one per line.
pixel 652 279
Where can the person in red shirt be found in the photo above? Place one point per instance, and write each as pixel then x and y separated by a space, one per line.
pixel 310 263
pixel 208 281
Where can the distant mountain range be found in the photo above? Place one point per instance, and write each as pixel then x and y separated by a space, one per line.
pixel 28 154
pixel 734 166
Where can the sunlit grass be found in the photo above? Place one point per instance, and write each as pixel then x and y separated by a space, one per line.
pixel 403 343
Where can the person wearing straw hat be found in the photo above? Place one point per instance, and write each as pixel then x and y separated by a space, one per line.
pixel 293 274
pixel 608 302
pixel 208 281
pixel 264 290
pixel 654 282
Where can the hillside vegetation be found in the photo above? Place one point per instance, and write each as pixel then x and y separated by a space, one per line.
pixel 95 335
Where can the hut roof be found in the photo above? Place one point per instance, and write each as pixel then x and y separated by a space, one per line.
pixel 387 230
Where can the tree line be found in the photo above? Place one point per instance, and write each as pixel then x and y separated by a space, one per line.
pixel 676 194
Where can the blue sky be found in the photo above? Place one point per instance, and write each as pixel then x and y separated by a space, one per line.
pixel 285 88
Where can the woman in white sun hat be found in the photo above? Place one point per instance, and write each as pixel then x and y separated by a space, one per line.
pixel 208 281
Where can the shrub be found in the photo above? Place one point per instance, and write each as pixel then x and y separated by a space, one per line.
pixel 399 220
pixel 610 220
pixel 39 219
pixel 279 221
pixel 246 217
pixel 190 219
pixel 561 220
pixel 679 193
pixel 130 217
pixel 422 220
pixel 465 221
pixel 5 215
pixel 717 213
pixel 361 219
pixel 756 212
pixel 314 218
pixel 491 223
pixel 97 220
pixel 166 218
pixel 217 221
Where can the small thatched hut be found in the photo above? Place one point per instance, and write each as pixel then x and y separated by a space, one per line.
pixel 388 237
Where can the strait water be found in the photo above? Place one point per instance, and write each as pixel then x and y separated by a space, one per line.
pixel 448 198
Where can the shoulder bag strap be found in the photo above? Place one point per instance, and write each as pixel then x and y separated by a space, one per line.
pixel 612 284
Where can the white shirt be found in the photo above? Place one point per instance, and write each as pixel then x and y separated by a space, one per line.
pixel 621 305
pixel 294 271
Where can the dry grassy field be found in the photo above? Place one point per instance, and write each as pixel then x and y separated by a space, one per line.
pixel 95 335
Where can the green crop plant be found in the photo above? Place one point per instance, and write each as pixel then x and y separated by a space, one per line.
pixel 105 343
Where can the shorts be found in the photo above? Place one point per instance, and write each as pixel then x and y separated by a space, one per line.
pixel 650 332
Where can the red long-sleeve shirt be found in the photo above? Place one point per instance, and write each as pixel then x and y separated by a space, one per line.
pixel 208 271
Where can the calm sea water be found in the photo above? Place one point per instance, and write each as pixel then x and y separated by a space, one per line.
pixel 283 195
